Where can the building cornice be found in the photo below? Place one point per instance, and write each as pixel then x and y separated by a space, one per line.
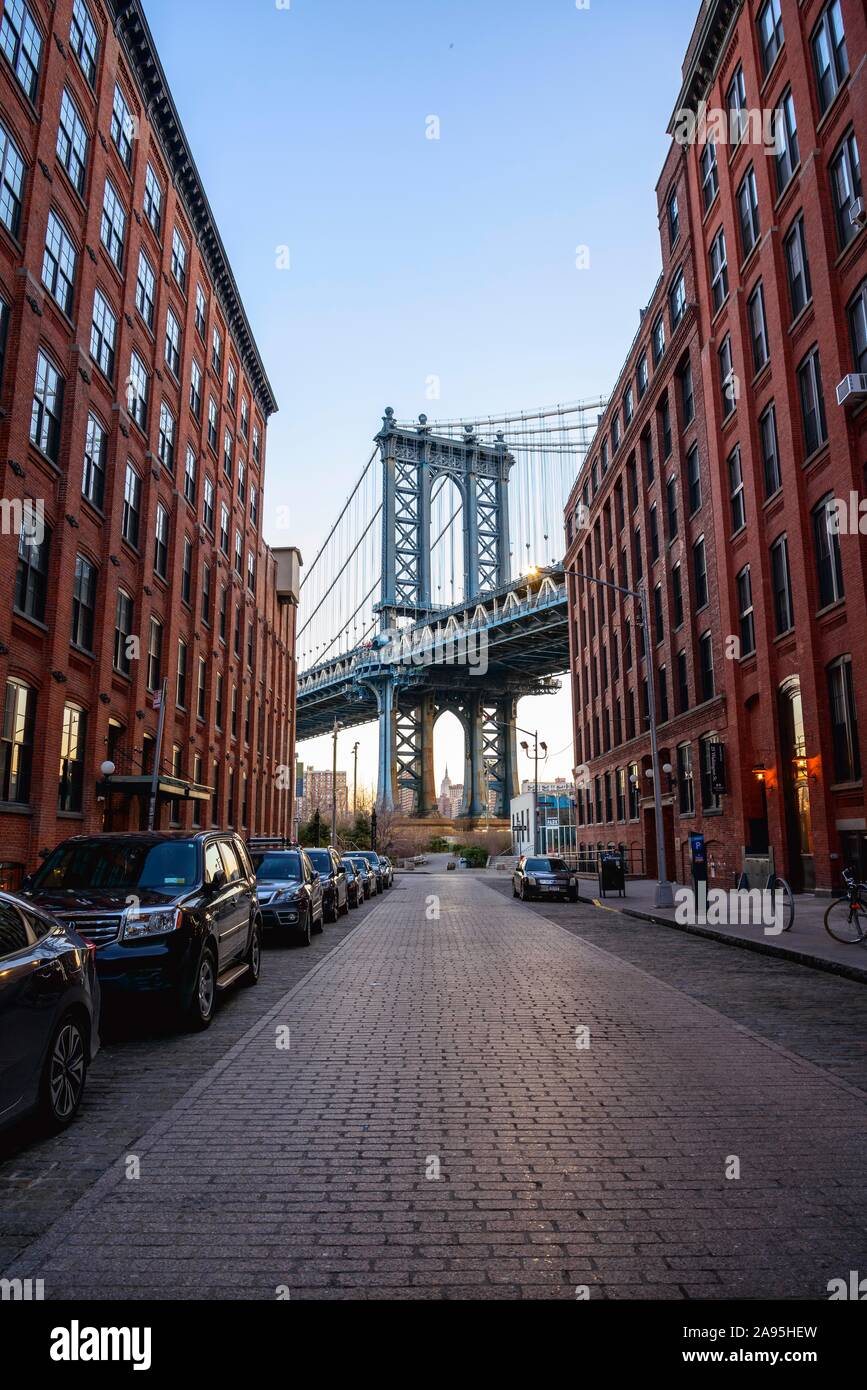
pixel 133 31
pixel 704 55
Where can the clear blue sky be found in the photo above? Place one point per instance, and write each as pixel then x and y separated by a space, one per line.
pixel 412 257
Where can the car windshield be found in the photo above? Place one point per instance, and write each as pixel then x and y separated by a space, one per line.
pixel 370 857
pixel 545 866
pixel 278 868
pixel 349 867
pixel 361 865
pixel 119 867
pixel 320 859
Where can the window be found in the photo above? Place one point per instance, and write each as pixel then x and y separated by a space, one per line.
pixel 788 155
pixel 239 621
pixel 657 341
pixel 218 702
pixel 687 394
pixel 682 684
pixel 58 263
pixel 639 562
pixel 857 311
pixel 113 228
pixel 217 352
pixel 728 380
pixel 145 290
pixel 245 418
pixel 228 451
pixel 47 408
pixel 201 689
pixel 758 327
pixel 746 617
pixel 181 692
pixel 671 507
pixel 131 506
pixel 123 622
pixel 31 577
pixel 658 615
pixel 239 553
pixel 153 201
pixel 83 40
pixel 168 430
pixel 709 174
pixel 4 335
pixel 781 586
pixel 103 335
pixel 665 426
pixel 21 41
pixel 179 259
pixel 257 442
pixel 187 570
pixel 208 503
pixel 812 403
pixel 138 391
pixel 736 100
pixel 654 533
pixel 846 187
pixel 173 344
pixel 161 542
pixel 11 182
pixel 693 477
pixel 770 450
pixel 212 423
pixel 16 743
pixel 242 482
pixel 95 453
pixel 685 783
pixel 232 386
pixel 628 407
pixel 254 506
pixel 251 572
pixel 206 595
pixel 155 654
pixel 615 440
pixel 224 528
pixel 748 212
pixel 719 272
pixel 844 721
pixel 196 389
pixel 770 34
pixel 677 300
pixel 705 662
pixel 737 496
pixel 677 595
pixel 830 57
pixel 643 377
pixel 829 565
pixel 123 127
pixel 673 219
pixel 699 564
pixel 83 603
pixel 798 267
pixel 72 748
pixel 201 311
pixel 190 476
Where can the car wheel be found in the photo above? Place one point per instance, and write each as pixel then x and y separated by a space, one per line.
pixel 204 1000
pixel 64 1075
pixel 254 955
pixel 523 893
pixel 329 914
pixel 303 935
pixel 344 911
pixel 573 897
pixel 514 889
pixel 320 925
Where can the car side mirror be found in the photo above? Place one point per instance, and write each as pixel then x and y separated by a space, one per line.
pixel 27 882
pixel 218 882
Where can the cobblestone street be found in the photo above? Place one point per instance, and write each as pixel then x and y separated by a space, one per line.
pixel 437 1127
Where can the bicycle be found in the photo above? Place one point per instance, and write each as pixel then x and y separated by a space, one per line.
pixel 775 885
pixel 846 918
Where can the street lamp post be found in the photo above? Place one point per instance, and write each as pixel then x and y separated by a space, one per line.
pixel 108 770
pixel 534 735
pixel 355 780
pixel 334 784
pixel 664 889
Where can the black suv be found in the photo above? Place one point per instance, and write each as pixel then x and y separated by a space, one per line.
pixel 335 893
pixel 375 865
pixel 171 915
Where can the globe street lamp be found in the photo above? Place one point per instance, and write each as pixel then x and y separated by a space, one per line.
pixel 107 771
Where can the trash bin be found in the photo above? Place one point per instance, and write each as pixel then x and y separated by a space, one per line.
pixel 612 876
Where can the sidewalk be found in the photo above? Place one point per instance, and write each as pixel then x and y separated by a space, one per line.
pixel 808 942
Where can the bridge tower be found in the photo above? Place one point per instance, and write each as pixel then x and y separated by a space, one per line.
pixel 408 703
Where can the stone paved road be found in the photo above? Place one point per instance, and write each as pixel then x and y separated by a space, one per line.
pixel 452 1042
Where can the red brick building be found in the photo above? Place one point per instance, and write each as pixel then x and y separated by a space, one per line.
pixel 763 724
pixel 133 414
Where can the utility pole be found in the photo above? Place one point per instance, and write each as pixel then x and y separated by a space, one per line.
pixel 355 780
pixel 534 735
pixel 334 785
pixel 158 753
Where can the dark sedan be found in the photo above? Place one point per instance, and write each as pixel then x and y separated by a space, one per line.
pixel 335 902
pixel 289 891
pixel 354 885
pixel 365 873
pixel 544 877
pixel 374 863
pixel 49 1015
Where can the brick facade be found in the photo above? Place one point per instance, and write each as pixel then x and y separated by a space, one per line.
pixel 87 522
pixel 791 718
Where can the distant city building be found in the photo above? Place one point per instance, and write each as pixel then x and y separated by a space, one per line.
pixel 561 786
pixel 451 798
pixel 319 794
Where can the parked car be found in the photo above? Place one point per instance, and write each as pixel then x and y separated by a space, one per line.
pixel 387 871
pixel 365 873
pixel 375 865
pixel 335 898
pixel 543 877
pixel 354 884
pixel 172 916
pixel 289 891
pixel 49 1015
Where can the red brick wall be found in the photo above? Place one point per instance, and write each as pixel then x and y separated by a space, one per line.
pixel 41 655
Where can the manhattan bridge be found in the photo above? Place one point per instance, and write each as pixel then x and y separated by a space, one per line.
pixel 415 604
